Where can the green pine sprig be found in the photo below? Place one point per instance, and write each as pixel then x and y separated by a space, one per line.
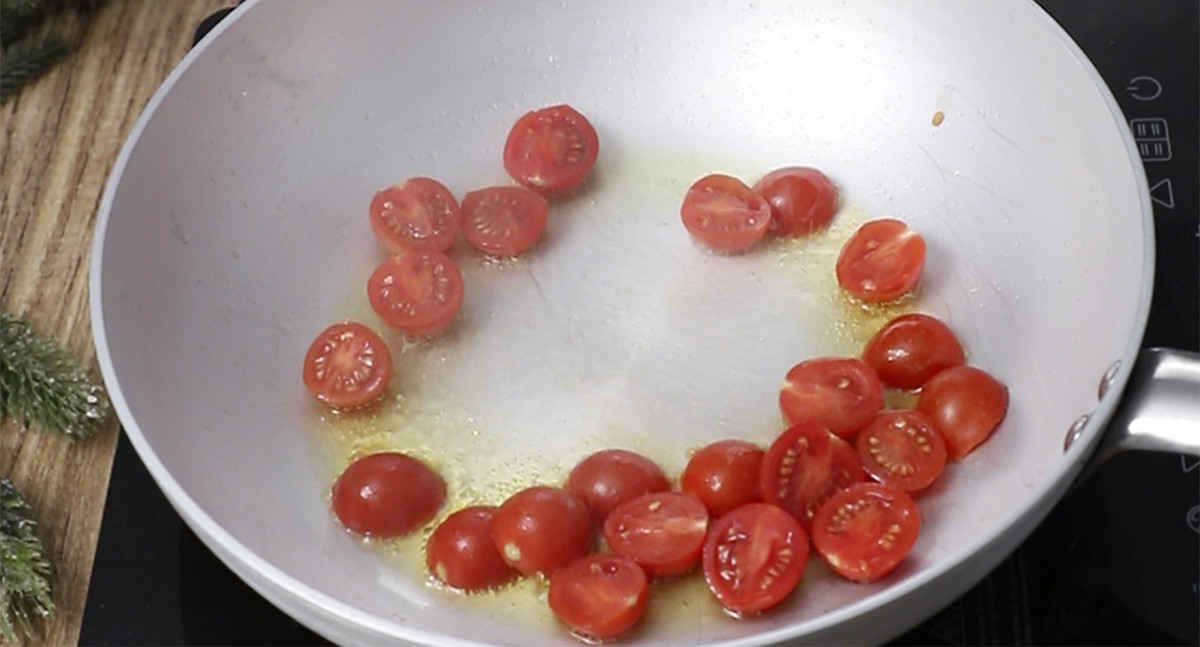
pixel 41 385
pixel 24 571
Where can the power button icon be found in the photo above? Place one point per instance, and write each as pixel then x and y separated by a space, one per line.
pixel 1144 88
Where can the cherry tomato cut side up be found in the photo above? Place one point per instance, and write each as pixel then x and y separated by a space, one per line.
pixel 663 532
pixel 503 220
pixel 347 366
pixel 902 448
pixel 881 262
pixel 599 597
pixel 865 531
pixel 421 213
pixel 841 393
pixel 388 494
pixel 754 557
pixel 724 215
pixel 804 467
pixel 418 293
pixel 551 150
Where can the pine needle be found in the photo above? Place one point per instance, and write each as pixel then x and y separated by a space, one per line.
pixel 23 63
pixel 40 384
pixel 24 571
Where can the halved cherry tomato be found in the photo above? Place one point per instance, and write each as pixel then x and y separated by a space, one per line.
pixel 903 448
pixel 841 393
pixel 387 495
pixel 866 530
pixel 418 293
pixel 804 467
pixel 724 215
pixel 967 405
pixel 881 262
pixel 912 348
pixel 802 200
pixel 551 150
pixel 503 220
pixel 754 557
pixel 460 553
pixel 610 477
pixel 724 475
pixel 663 532
pixel 541 529
pixel 421 213
pixel 599 597
pixel 347 366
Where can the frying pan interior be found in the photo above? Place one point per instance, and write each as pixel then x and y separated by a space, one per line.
pixel 234 230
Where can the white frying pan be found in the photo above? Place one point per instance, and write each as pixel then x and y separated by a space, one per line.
pixel 234 229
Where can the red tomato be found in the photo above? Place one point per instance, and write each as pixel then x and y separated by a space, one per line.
pixel 804 467
pixel 902 448
pixel 865 531
pixel 347 366
pixel 418 293
pixel 754 557
pixel 611 477
pixel 663 532
pixel 841 393
pixel 881 262
pixel 802 200
pixel 551 150
pixel 503 220
pixel 387 495
pixel 541 529
pixel 599 597
pixel 460 553
pixel 419 214
pixel 967 405
pixel 912 348
pixel 724 215
pixel 723 475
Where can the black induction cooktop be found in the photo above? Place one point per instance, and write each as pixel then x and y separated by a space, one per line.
pixel 1116 562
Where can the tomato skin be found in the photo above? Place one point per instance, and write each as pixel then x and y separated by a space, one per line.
pixel 881 262
pixel 912 348
pixel 967 404
pixel 421 213
pixel 724 475
pixel 541 529
pixel 902 448
pixel 418 293
pixel 610 477
pixel 551 150
pixel 461 554
pixel 724 215
pixel 347 366
pixel 663 532
pixel 503 220
pixel 804 467
pixel 388 494
pixel 865 531
pixel 841 393
pixel 599 597
pixel 802 200
pixel 754 557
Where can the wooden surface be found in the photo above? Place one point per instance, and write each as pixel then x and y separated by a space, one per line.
pixel 60 138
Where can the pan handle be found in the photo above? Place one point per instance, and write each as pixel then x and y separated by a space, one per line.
pixel 1160 410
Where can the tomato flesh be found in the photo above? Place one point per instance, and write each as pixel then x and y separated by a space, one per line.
pixel 802 200
pixel 902 448
pixel 967 404
pixel 841 393
pixel 754 557
pixel 417 293
pixel 881 262
pixel 599 597
pixel 724 215
pixel 421 213
pixel 723 475
pixel 541 529
pixel 503 220
pixel 804 467
pixel 663 532
pixel 610 477
pixel 347 366
pixel 865 532
pixel 388 494
pixel 912 348
pixel 461 554
pixel 551 150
